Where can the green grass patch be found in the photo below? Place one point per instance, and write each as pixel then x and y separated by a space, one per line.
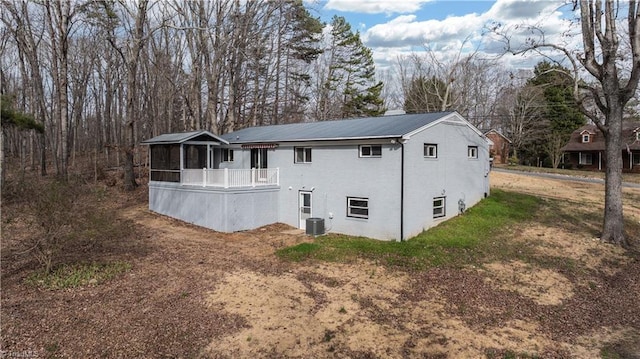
pixel 460 240
pixel 77 275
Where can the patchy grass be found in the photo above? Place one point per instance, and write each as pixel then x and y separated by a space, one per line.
pixel 77 275
pixel 463 239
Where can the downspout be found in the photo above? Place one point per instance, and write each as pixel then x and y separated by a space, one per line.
pixel 402 141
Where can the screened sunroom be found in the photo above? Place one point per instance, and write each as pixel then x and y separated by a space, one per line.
pixel 195 177
pixel 195 158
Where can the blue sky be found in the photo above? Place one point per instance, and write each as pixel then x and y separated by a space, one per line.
pixel 393 28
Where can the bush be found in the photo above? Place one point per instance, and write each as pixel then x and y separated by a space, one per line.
pixel 52 205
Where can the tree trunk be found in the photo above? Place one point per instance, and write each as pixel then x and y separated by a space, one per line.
pixel 613 228
pixel 133 58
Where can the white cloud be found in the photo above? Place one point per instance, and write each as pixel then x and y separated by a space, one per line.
pixel 376 6
pixel 465 34
pixel 406 31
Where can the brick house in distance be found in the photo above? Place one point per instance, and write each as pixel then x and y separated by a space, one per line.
pixel 586 149
pixel 499 147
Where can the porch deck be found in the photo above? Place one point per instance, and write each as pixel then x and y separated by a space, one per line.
pixel 231 178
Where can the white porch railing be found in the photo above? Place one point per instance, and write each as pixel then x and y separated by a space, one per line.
pixel 231 178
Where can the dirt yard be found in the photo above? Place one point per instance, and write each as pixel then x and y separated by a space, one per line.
pixel 192 293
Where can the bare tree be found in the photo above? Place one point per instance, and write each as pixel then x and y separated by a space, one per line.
pixel 521 115
pixel 616 73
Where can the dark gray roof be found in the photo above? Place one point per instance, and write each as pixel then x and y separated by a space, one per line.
pixel 358 128
pixel 183 137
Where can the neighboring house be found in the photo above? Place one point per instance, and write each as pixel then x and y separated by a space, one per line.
pixel 499 147
pixel 385 177
pixel 586 149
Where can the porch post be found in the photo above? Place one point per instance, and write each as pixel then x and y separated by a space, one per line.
pixel 253 177
pixel 181 163
pixel 277 176
pixel 600 161
pixel 226 178
pixel 204 177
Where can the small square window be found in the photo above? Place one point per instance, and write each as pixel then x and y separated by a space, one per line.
pixel 439 207
pixel 302 154
pixel 430 150
pixel 370 151
pixel 227 155
pixel 585 138
pixel 472 151
pixel 636 159
pixel 358 207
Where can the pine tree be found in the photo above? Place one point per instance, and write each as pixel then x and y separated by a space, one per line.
pixel 350 75
pixel 561 110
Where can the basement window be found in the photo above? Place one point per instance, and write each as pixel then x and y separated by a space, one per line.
pixel 439 207
pixel 358 207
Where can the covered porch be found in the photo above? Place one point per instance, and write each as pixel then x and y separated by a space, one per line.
pixel 195 159
pixel 189 181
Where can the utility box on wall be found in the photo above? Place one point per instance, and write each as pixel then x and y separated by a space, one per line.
pixel 315 226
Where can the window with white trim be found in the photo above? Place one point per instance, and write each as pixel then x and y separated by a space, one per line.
pixel 636 159
pixel 430 150
pixel 358 207
pixel 302 154
pixel 227 155
pixel 585 159
pixel 371 151
pixel 638 135
pixel 472 152
pixel 585 138
pixel 439 204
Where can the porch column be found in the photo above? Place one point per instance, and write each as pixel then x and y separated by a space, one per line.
pixel 181 162
pixel 600 161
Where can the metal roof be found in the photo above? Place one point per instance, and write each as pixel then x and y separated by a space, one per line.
pixel 183 137
pixel 358 128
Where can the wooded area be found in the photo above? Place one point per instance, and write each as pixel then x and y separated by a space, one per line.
pixel 101 76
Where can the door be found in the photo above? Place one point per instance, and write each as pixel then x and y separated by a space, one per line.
pixel 304 208
pixel 259 162
pixel 259 158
